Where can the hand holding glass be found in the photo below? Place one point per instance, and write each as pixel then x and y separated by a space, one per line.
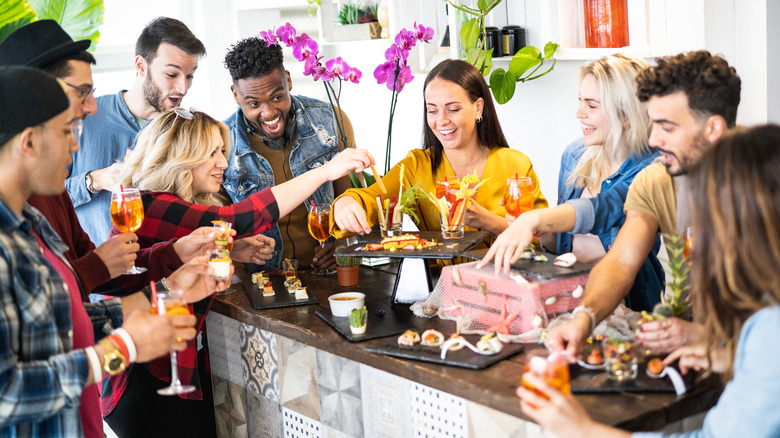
pixel 172 303
pixel 127 214
pixel 319 223
pixel 518 195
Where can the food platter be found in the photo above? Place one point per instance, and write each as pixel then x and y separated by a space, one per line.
pixel 546 269
pixel 281 297
pixel 447 249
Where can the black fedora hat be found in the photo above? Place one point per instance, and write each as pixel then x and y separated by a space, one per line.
pixel 39 44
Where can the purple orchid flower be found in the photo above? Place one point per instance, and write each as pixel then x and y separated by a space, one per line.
pixel 385 72
pixel 354 75
pixel 396 52
pixel 405 39
pixel 305 48
pixel 337 67
pixel 268 36
pixel 425 34
pixel 310 64
pixel 286 34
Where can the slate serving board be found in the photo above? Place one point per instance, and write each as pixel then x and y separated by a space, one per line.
pixel 281 297
pixel 544 269
pixel 396 320
pixel 463 358
pixel 449 248
pixel 586 381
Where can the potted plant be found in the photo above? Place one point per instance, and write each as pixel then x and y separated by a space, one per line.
pixel 347 270
pixel 358 22
pixel 357 321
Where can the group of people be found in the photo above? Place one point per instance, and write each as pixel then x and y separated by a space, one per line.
pixel 654 158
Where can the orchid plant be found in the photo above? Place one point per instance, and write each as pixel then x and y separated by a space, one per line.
pixel 395 71
pixel 306 50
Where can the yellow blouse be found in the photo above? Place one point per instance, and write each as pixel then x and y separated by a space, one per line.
pixel 501 164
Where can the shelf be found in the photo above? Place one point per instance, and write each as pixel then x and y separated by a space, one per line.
pixel 582 54
pixel 249 5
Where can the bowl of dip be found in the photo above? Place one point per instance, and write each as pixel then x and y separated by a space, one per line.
pixel 342 304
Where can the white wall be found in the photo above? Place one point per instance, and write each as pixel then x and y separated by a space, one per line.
pixel 538 121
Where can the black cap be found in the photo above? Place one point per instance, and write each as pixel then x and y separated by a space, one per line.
pixel 39 44
pixel 28 97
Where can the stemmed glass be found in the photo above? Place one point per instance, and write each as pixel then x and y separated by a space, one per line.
pixel 172 303
pixel 127 214
pixel 518 195
pixel 319 223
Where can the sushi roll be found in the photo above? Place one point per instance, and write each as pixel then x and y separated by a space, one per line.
pixel 432 338
pixel 409 338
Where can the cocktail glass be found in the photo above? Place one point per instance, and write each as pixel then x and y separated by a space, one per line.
pixel 127 214
pixel 553 368
pixel 172 303
pixel 518 195
pixel 319 223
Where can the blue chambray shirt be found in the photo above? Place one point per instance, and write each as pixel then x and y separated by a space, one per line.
pixel 104 141
pixel 603 215
pixel 41 378
pixel 748 405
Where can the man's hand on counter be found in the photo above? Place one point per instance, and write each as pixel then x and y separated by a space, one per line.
pixel 323 257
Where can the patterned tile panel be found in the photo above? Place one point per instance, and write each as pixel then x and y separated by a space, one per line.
pixel 260 369
pixel 299 426
pixel 263 416
pixel 224 347
pixel 386 409
pixel 339 391
pixel 436 414
pixel 229 408
pixel 298 378
pixel 484 421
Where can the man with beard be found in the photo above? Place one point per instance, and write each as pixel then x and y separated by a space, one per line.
pixel 692 101
pixel 167 55
pixel 275 137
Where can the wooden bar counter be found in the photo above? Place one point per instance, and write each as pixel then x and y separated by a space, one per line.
pixel 277 372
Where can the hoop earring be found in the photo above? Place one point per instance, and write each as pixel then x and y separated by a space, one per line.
pixel 479 119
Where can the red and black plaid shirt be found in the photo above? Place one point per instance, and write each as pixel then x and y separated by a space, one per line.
pixel 167 216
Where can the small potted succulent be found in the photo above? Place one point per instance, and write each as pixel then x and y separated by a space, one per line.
pixel 347 270
pixel 357 321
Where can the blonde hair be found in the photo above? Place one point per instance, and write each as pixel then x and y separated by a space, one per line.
pixel 626 115
pixel 168 149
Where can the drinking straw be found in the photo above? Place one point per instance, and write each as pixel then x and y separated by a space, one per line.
pixel 154 295
pixel 319 225
pixel 378 180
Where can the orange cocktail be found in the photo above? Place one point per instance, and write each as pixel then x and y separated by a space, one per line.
pixel 554 370
pixel 319 222
pixel 127 214
pixel 448 189
pixel 518 195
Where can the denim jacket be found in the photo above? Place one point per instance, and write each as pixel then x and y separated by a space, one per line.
pixel 603 215
pixel 316 142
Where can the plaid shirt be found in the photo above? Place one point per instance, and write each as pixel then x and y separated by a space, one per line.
pixel 168 216
pixel 41 378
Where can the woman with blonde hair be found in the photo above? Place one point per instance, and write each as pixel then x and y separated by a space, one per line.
pixel 736 288
pixel 178 163
pixel 596 171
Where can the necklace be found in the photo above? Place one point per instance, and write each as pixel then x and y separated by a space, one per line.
pixel 467 166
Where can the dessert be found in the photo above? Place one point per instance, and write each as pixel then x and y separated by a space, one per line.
pixel 409 338
pixel 595 358
pixel 301 294
pixel 268 289
pixel 655 366
pixel 259 277
pixel 432 338
pixel 219 261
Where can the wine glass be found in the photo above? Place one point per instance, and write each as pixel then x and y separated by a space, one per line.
pixel 224 246
pixel 518 195
pixel 127 214
pixel 172 303
pixel 319 223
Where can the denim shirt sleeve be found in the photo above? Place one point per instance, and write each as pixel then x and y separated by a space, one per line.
pixel 748 405
pixel 77 189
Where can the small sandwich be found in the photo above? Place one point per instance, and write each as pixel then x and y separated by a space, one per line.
pixel 259 278
pixel 432 338
pixel 293 285
pixel 268 289
pixel 300 293
pixel 409 338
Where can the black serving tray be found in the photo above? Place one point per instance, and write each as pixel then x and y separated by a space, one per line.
pixel 281 297
pixel 396 320
pixel 543 269
pixel 463 358
pixel 449 248
pixel 586 381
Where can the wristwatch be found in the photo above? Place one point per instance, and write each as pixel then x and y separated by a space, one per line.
pixel 88 182
pixel 114 361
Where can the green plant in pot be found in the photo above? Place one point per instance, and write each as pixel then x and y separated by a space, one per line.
pixel 347 270
pixel 357 321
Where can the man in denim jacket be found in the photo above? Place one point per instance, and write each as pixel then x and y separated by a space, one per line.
pixel 275 137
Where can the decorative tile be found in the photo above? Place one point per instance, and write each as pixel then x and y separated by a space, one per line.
pixel 229 408
pixel 224 347
pixel 298 389
pixel 437 414
pixel 264 416
pixel 329 432
pixel 386 409
pixel 299 426
pixel 259 363
pixel 484 421
pixel 339 390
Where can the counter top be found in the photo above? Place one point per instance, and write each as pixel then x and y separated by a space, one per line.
pixel 493 386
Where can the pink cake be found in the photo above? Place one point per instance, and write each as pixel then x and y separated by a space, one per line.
pixel 480 295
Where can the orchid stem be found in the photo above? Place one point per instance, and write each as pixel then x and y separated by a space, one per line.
pixel 393 101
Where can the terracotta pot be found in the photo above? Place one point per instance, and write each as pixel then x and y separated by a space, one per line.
pixel 348 276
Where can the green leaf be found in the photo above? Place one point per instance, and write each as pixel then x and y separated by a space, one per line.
pixel 469 33
pixel 356 183
pixel 13 15
pixel 525 59
pixel 462 18
pixel 487 63
pixel 473 57
pixel 482 4
pixel 81 19
pixel 549 50
pixel 503 84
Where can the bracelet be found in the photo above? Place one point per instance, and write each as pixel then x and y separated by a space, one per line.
pixel 132 353
pixel 94 363
pixel 589 312
pixel 164 284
